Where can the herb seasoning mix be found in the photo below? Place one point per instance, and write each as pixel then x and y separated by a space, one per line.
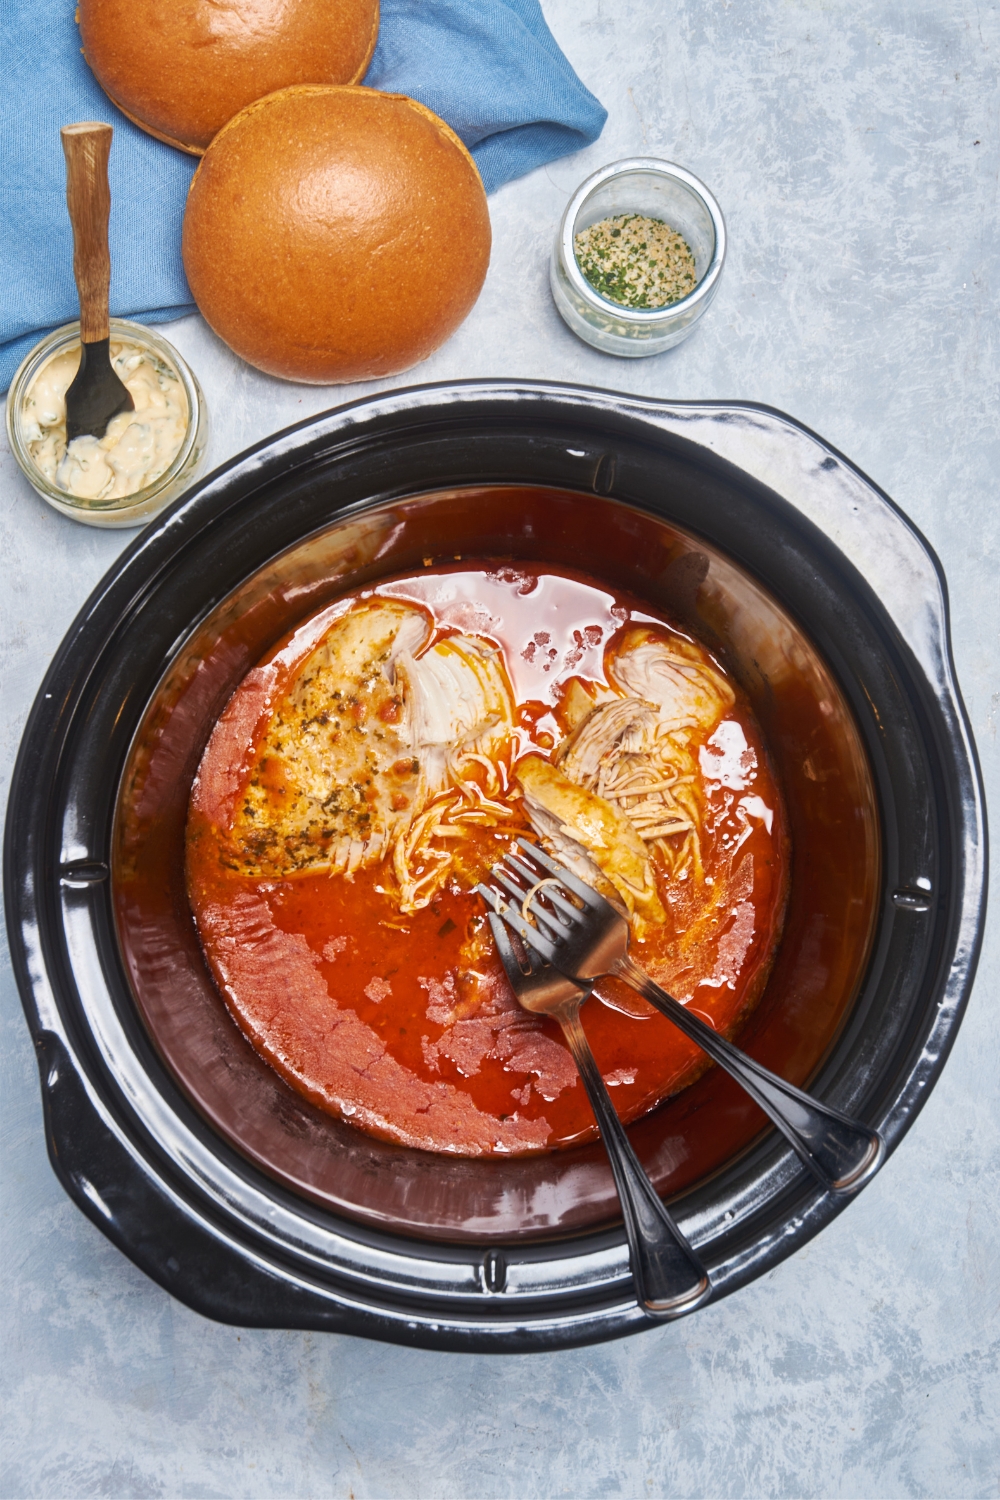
pixel 635 261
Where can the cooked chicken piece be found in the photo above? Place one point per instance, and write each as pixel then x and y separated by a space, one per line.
pixel 618 753
pixel 373 749
pixel 592 838
pixel 634 751
pixel 335 777
pixel 675 676
pixel 460 705
pixel 462 719
pixel 580 699
pixel 618 727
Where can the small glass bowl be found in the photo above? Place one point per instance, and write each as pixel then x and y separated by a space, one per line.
pixel 123 510
pixel 660 190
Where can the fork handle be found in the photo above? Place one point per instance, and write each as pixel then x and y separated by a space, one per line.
pixel 669 1278
pixel 840 1152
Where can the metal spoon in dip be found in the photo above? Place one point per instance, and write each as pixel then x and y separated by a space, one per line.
pixel 96 393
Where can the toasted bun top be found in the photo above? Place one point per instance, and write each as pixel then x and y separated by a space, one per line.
pixel 181 69
pixel 336 234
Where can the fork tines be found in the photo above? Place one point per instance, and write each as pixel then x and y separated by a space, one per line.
pixel 519 960
pixel 566 878
pixel 533 880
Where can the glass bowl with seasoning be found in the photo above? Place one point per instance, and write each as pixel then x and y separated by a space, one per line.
pixel 146 458
pixel 638 257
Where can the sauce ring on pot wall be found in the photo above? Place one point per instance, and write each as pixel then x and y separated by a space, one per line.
pixel 336 234
pixel 180 72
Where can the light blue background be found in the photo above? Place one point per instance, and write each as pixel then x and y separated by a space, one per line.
pixel 861 297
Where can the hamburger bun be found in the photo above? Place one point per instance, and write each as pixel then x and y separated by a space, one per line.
pixel 180 70
pixel 335 234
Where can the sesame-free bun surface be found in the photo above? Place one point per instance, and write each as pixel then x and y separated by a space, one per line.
pixel 335 234
pixel 183 68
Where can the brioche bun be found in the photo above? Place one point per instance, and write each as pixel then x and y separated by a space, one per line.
pixel 180 70
pixel 335 234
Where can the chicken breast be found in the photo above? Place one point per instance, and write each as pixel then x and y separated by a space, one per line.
pixel 460 704
pixel 335 778
pixel 376 750
pixel 462 721
pixel 633 748
pixel 592 837
pixel 612 729
pixel 672 674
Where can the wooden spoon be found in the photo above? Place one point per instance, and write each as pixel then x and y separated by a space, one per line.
pixel 96 394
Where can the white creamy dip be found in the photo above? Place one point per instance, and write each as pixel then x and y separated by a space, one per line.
pixel 138 446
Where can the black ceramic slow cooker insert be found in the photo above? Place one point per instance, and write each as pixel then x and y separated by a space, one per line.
pixel 824 601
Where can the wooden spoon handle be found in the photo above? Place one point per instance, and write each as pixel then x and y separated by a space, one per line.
pixel 86 147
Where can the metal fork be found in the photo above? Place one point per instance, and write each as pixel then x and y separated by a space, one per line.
pixel 582 935
pixel 669 1278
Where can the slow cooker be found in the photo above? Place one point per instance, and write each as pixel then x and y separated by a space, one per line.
pixel 823 600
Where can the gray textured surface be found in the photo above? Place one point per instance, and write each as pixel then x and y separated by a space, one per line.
pixel 855 152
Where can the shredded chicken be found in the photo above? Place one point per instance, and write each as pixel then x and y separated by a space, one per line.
pixel 462 720
pixel 386 747
pixel 377 749
pixel 630 747
pixel 674 675
pixel 461 707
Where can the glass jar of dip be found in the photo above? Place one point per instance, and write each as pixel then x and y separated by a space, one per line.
pixel 34 448
pixel 654 189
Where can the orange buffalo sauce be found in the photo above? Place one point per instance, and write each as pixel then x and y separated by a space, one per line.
pixel 402 1021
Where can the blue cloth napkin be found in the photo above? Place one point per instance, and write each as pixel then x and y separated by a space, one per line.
pixel 491 68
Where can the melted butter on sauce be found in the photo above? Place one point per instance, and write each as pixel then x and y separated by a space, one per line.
pixel 405 1025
